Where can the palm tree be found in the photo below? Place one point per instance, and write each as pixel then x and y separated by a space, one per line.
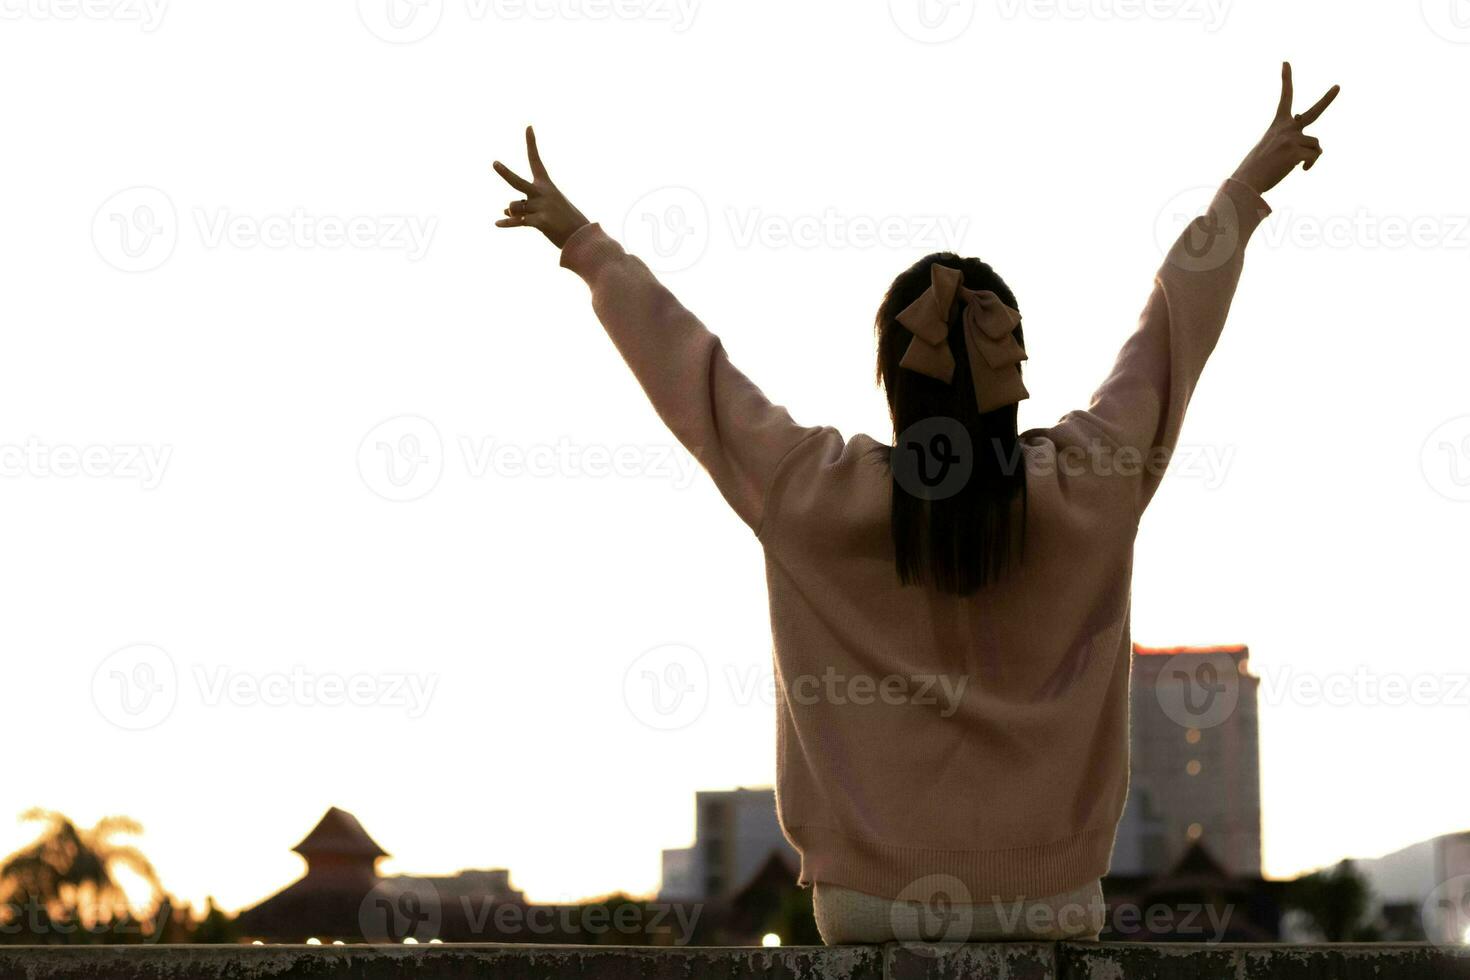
pixel 1338 902
pixel 70 874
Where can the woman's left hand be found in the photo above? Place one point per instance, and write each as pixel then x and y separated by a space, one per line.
pixel 544 208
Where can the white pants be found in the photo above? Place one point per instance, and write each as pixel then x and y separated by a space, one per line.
pixel 846 916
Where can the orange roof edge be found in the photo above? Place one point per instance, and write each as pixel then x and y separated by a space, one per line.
pixel 1139 650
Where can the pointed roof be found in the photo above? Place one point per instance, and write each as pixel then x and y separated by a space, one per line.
pixel 1198 860
pixel 339 833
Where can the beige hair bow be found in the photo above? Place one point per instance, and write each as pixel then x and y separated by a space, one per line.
pixel 995 353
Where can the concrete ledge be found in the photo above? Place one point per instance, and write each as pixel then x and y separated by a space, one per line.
pixel 1256 961
pixel 895 961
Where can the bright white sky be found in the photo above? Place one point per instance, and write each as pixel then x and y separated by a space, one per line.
pixel 1058 141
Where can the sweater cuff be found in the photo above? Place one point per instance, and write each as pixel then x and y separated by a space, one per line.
pixel 588 249
pixel 1251 207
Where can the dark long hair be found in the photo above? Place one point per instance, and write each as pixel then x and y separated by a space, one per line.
pixel 971 535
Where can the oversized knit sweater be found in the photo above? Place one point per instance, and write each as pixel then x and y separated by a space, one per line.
pixel 983 738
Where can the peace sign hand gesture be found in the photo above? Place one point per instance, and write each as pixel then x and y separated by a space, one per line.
pixel 544 208
pixel 1285 144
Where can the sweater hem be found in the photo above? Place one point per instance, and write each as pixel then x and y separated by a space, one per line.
pixel 896 872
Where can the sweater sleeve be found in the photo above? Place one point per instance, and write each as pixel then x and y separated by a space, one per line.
pixel 713 409
pixel 1140 406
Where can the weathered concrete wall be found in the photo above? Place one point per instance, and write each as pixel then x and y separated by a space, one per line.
pixel 1179 961
pixel 1016 961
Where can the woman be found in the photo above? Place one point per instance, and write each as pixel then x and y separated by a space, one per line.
pixel 950 614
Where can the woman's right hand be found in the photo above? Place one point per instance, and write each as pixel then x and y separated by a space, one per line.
pixel 545 207
pixel 1285 144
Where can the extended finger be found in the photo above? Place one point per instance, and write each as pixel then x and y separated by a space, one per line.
pixel 538 169
pixel 1283 109
pixel 513 179
pixel 514 222
pixel 1312 114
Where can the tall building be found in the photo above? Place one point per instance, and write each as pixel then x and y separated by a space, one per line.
pixel 1195 761
pixel 735 834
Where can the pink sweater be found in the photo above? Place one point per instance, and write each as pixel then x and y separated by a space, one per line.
pixel 983 738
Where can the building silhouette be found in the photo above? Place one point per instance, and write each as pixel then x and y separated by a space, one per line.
pixel 342 897
pixel 1423 891
pixel 1194 779
pixel 735 835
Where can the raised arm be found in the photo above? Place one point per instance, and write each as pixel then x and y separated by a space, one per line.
pixel 715 411
pixel 1141 405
